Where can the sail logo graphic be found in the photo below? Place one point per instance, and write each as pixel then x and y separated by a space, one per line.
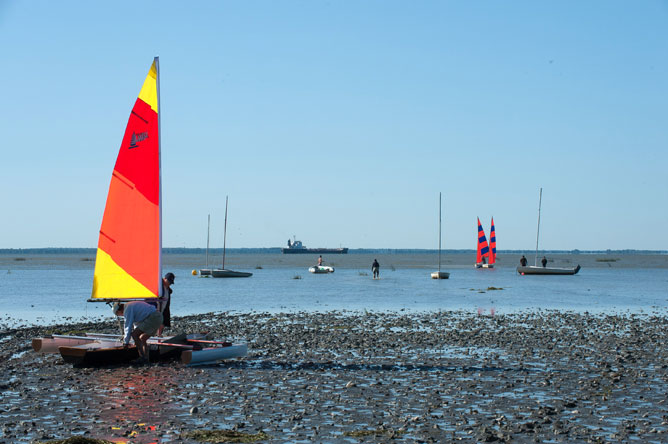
pixel 136 138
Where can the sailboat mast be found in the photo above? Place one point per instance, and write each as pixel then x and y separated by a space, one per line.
pixel 208 230
pixel 439 231
pixel 225 233
pixel 156 60
pixel 540 200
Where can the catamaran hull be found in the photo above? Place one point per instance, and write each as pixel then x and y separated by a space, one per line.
pixel 211 355
pixel 484 265
pixel 205 272
pixel 230 274
pixel 547 270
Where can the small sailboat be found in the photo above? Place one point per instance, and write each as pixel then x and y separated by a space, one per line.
pixel 492 245
pixel 483 252
pixel 544 270
pixel 128 265
pixel 439 274
pixel 207 271
pixel 223 272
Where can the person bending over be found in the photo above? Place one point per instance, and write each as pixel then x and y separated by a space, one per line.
pixel 142 321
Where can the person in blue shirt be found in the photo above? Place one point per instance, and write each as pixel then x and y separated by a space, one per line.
pixel 142 320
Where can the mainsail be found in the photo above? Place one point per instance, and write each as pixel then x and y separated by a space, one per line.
pixel 492 243
pixel 128 264
pixel 483 248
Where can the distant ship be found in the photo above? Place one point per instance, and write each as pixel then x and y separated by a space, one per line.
pixel 296 247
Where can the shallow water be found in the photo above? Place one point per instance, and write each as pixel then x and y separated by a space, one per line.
pixel 43 289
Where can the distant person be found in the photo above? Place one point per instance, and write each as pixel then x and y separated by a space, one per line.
pixel 320 261
pixel 142 321
pixel 523 261
pixel 484 261
pixel 375 268
pixel 165 302
pixel 289 243
pixel 544 262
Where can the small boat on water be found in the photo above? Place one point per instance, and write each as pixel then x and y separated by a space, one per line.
pixel 534 269
pixel 544 270
pixel 296 247
pixel 321 269
pixel 223 272
pixel 439 274
pixel 128 264
pixel 484 257
pixel 207 271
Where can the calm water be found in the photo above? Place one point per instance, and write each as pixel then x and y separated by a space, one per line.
pixel 45 290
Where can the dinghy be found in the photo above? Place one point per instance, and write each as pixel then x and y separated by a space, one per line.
pixel 321 269
pixel 535 269
pixel 128 265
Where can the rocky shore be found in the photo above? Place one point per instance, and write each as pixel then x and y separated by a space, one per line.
pixel 359 377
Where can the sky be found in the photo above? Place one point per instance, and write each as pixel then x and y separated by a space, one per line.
pixel 339 122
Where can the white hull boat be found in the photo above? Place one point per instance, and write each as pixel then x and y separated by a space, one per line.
pixel 321 269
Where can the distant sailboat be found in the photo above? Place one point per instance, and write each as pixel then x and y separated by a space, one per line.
pixel 492 245
pixel 222 272
pixel 207 271
pixel 535 269
pixel 439 274
pixel 483 253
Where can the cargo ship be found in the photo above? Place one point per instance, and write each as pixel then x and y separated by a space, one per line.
pixel 296 247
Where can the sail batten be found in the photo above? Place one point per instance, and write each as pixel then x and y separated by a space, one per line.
pixel 128 260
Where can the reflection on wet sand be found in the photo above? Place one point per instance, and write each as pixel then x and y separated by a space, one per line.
pixel 135 404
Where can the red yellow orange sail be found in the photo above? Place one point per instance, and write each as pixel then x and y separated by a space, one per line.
pixel 128 263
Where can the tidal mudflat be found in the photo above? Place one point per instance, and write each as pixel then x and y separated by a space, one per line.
pixel 546 376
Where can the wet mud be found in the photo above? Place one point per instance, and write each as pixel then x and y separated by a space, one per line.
pixel 359 377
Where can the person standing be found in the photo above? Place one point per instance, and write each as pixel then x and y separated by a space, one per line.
pixel 523 261
pixel 142 320
pixel 320 261
pixel 167 283
pixel 544 261
pixel 375 269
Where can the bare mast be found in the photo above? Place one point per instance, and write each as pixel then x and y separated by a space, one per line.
pixel 439 231
pixel 225 233
pixel 540 200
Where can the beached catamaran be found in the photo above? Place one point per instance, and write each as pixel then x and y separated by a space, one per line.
pixel 128 265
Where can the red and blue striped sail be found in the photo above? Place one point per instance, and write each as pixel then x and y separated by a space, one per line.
pixel 483 248
pixel 492 243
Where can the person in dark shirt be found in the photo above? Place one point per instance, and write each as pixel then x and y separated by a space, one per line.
pixel 166 299
pixel 375 268
pixel 523 261
pixel 544 261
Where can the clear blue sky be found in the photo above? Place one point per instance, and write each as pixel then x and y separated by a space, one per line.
pixel 339 122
